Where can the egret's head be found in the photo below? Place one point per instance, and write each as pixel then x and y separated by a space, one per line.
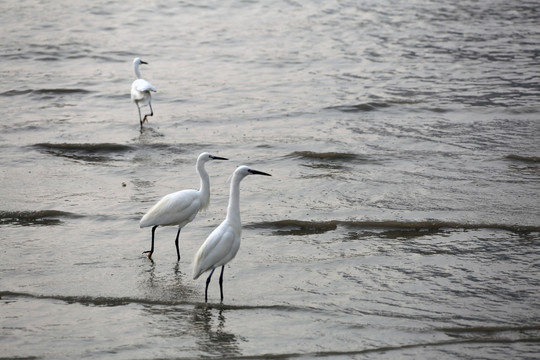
pixel 138 61
pixel 204 157
pixel 246 170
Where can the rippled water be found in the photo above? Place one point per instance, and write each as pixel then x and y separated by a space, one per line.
pixel 401 220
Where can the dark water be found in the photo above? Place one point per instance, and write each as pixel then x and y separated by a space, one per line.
pixel 401 220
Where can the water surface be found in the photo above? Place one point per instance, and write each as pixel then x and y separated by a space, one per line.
pixel 401 220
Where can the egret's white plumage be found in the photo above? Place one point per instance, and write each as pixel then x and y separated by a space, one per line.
pixel 181 207
pixel 140 91
pixel 223 243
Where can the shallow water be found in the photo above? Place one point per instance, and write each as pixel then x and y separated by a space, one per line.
pixel 401 220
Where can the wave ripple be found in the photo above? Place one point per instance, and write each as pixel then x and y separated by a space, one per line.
pixel 39 217
pixel 301 227
pixel 100 152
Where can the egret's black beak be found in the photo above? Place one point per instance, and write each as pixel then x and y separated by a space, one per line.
pixel 217 158
pixel 144 62
pixel 257 172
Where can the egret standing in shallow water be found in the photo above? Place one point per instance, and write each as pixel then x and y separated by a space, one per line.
pixel 181 207
pixel 223 243
pixel 140 91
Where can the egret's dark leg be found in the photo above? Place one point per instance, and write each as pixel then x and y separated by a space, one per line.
pixel 151 113
pixel 221 282
pixel 207 283
pixel 176 243
pixel 151 251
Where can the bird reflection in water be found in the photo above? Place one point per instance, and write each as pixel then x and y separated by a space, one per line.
pixel 213 340
pixel 161 285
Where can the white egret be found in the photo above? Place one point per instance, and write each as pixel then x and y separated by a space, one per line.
pixel 223 243
pixel 181 207
pixel 140 91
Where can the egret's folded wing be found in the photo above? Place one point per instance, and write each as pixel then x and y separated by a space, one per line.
pixel 143 85
pixel 218 248
pixel 177 208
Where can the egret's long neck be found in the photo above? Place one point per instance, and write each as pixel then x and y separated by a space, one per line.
pixel 137 71
pixel 233 210
pixel 205 185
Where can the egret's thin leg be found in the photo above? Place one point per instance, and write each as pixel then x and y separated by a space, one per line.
pixel 208 283
pixel 151 251
pixel 151 113
pixel 140 118
pixel 221 282
pixel 176 243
